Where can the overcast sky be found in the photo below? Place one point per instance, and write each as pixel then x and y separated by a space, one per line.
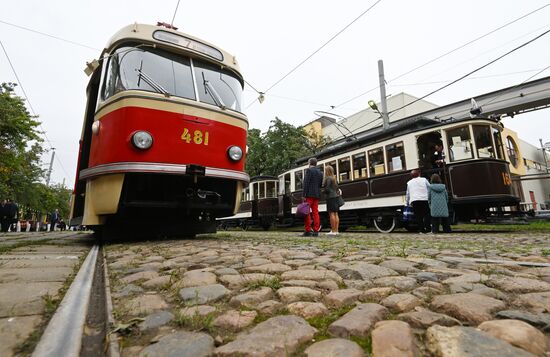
pixel 269 39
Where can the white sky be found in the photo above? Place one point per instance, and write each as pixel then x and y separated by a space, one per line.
pixel 269 38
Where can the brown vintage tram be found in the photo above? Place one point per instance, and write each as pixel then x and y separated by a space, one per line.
pixel 373 169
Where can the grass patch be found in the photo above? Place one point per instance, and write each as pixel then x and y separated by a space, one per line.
pixel 273 283
pixel 195 322
pixel 364 342
pixel 321 323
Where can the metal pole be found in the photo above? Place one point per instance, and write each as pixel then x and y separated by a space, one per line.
pixel 544 154
pixel 384 105
pixel 50 169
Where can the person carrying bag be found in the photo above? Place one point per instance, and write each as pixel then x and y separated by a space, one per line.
pixel 333 198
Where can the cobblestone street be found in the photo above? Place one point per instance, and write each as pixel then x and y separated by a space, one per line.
pixel 276 294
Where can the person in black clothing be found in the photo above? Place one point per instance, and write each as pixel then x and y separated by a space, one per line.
pixel 12 212
pixel 311 193
pixel 54 219
pixel 4 221
pixel 438 157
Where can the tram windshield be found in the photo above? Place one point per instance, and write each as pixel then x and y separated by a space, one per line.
pixel 153 70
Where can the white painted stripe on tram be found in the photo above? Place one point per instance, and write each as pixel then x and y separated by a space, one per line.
pixel 63 336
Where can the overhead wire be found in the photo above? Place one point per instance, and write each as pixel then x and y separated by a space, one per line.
pixel 175 12
pixel 32 109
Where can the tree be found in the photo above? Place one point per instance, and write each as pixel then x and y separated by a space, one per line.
pixel 276 150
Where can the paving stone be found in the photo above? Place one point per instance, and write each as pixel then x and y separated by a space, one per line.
pixel 142 275
pixel 269 307
pixel 399 265
pixel 311 274
pixel 15 330
pixel 537 302
pixel 157 283
pixel 364 271
pixel 518 285
pixel 146 304
pixel 199 295
pixel 425 293
pixel 343 297
pixel 539 320
pixel 327 285
pixel 156 319
pixel 467 278
pixel 426 276
pixel 129 289
pixel 297 262
pixel 197 278
pixel 358 322
pixel 298 293
pixel 307 309
pixel 256 261
pixel 181 343
pixel 241 281
pixel 468 307
pixel 393 339
pixel 271 268
pixel 334 347
pixel 306 283
pixel 376 294
pixel 401 302
pixel 31 275
pixel 423 318
pixel 490 292
pixel 19 299
pixel 234 320
pixel 252 298
pixel 358 284
pixel 467 341
pixel 398 282
pixel 456 288
pixel 198 310
pixel 518 334
pixel 427 262
pixel 277 336
pixel 226 271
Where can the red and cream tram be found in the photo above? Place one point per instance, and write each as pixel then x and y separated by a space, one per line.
pixel 163 140
pixel 373 169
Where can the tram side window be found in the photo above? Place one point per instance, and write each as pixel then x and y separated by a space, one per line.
pixel 344 169
pixel 299 180
pixel 255 191
pixel 151 70
pixel 217 86
pixel 262 189
pixel 286 185
pixel 484 142
pixel 332 164
pixel 245 195
pixel 270 191
pixel 459 144
pixel 498 143
pixel 359 165
pixel 396 157
pixel 376 162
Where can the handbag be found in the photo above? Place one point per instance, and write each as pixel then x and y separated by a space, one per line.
pixel 408 214
pixel 341 201
pixel 302 210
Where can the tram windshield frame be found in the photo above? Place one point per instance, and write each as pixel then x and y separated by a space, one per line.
pixel 144 68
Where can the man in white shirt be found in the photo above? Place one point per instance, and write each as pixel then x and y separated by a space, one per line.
pixel 417 197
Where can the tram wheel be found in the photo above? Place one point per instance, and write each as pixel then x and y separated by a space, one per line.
pixel 385 224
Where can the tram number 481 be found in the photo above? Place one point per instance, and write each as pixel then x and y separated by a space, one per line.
pixel 198 137
pixel 506 179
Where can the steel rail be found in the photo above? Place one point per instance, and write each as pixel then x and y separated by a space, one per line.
pixel 63 335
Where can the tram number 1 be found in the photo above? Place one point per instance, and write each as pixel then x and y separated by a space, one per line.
pixel 506 179
pixel 198 137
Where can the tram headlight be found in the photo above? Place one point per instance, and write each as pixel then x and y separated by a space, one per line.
pixel 235 153
pixel 142 140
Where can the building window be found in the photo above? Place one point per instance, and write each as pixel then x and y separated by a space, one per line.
pixel 512 150
pixel 396 157
pixel 376 162
pixel 359 165
pixel 459 143
pixel 344 169
pixel 299 180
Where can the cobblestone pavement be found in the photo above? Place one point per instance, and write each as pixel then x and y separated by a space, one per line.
pixel 35 270
pixel 279 294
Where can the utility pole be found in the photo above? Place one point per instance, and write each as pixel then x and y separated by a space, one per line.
pixel 383 103
pixel 50 169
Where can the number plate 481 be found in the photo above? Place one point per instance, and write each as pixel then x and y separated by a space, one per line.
pixel 197 137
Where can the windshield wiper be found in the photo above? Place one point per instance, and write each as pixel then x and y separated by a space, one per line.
pixel 209 88
pixel 150 81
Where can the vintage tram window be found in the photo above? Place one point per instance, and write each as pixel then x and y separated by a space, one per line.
pixel 284 187
pixel 148 69
pixel 270 190
pixel 359 165
pixel 396 157
pixel 498 142
pixel 218 86
pixel 376 162
pixel 299 180
pixel 344 169
pixel 333 164
pixel 484 142
pixel 255 191
pixel 512 150
pixel 262 189
pixel 459 143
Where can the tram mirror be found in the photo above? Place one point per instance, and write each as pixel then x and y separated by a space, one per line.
pixel 91 67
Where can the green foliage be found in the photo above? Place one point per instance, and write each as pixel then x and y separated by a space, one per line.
pixel 20 166
pixel 276 150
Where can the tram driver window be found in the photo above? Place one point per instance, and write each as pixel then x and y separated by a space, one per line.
pixel 459 143
pixel 344 169
pixel 498 142
pixel 262 189
pixel 359 165
pixel 218 86
pixel 376 162
pixel 299 180
pixel 396 157
pixel 484 142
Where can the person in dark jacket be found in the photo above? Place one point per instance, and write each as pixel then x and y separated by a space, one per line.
pixel 313 179
pixel 438 199
pixel 4 221
pixel 54 220
pixel 12 212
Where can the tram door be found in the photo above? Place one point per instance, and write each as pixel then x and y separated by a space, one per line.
pixel 426 147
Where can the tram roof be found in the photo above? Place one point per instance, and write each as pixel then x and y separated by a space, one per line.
pixel 144 33
pixel 396 129
pixel 263 178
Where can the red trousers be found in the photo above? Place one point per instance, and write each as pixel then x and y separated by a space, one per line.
pixel 314 205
